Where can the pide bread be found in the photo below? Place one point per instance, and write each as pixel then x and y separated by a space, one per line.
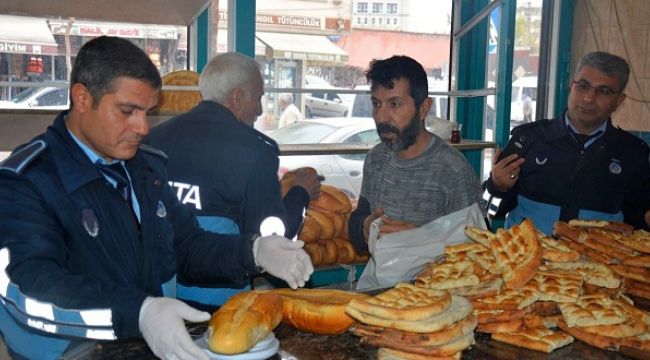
pixel 617 226
pixel 598 340
pixel 438 338
pixel 447 275
pixel 501 327
pixel 590 310
pixel 490 316
pixel 404 302
pixel 459 309
pixel 457 345
pixel 641 274
pixel 392 354
pixel 639 240
pixel 244 320
pixel 481 236
pixel 537 338
pixel 556 287
pixel 320 311
pixel 508 299
pixel 592 272
pixel 486 288
pixel 555 251
pixel 517 252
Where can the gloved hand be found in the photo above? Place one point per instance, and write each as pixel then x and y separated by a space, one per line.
pixel 284 259
pixel 161 324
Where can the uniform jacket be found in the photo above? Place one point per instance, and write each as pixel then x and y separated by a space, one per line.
pixel 230 166
pixel 609 180
pixel 72 243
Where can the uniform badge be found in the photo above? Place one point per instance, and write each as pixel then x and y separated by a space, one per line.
pixel 615 167
pixel 161 211
pixel 90 222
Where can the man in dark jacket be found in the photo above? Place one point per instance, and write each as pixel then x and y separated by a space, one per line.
pixel 224 169
pixel 92 236
pixel 578 165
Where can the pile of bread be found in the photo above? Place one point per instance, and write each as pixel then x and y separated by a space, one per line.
pixel 250 316
pixel 624 250
pixel 410 322
pixel 174 101
pixel 325 230
pixel 524 285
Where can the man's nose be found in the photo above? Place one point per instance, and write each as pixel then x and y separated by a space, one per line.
pixel 380 114
pixel 141 124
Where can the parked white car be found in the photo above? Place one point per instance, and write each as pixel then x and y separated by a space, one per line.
pixel 344 171
pixel 44 98
pixel 325 102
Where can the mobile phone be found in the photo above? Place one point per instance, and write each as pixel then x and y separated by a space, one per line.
pixel 519 146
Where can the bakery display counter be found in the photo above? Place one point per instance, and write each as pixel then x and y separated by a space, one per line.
pixel 300 345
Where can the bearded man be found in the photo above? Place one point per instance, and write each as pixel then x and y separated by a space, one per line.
pixel 412 177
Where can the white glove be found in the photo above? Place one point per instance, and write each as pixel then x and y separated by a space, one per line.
pixel 161 324
pixel 284 259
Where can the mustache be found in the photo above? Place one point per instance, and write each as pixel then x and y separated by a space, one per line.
pixel 383 128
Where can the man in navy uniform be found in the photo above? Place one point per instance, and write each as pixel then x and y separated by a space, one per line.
pixel 91 234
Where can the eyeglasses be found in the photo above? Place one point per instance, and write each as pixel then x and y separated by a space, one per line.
pixel 583 87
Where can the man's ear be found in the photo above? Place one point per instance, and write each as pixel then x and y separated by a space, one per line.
pixel 237 101
pixel 81 98
pixel 424 107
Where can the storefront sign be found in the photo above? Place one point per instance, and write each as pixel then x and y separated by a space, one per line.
pixel 282 20
pixel 20 48
pixel 126 31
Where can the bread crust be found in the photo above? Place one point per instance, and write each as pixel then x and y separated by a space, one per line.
pixel 244 320
pixel 321 311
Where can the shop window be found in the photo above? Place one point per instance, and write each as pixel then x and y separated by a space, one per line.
pixel 377 8
pixel 391 8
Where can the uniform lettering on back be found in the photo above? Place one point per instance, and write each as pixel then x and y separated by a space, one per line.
pixel 187 193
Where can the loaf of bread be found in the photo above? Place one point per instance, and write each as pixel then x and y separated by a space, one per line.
pixel 320 311
pixel 243 321
pixel 332 199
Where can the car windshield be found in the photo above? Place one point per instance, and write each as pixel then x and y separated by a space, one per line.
pixel 302 133
pixel 24 95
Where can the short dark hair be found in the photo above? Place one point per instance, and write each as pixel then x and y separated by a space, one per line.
pixel 386 72
pixel 103 59
pixel 607 63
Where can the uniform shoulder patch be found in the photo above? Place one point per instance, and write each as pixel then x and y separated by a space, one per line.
pixel 154 151
pixel 20 158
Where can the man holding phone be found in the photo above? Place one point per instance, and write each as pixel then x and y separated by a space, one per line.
pixel 578 165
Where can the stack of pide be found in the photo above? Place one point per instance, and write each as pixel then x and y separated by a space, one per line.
pixel 325 230
pixel 624 250
pixel 524 285
pixel 410 322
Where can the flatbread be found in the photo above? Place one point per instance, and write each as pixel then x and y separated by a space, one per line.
pixel 639 240
pixel 597 340
pixel 556 251
pixel 517 252
pixel 484 289
pixel 557 287
pixel 632 272
pixel 617 226
pixel 537 338
pixel 447 275
pixel 508 299
pixel 501 327
pixel 404 302
pixel 438 338
pixel 489 316
pixel 481 236
pixel 592 310
pixel 562 229
pixel 459 309
pixel 449 349
pixel 592 272
pixel 392 354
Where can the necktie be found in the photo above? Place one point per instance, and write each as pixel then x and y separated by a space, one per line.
pixel 117 172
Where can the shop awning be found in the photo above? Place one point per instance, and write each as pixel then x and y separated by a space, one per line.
pixel 20 34
pixel 169 12
pixel 302 47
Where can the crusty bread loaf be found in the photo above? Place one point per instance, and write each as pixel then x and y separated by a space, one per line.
pixel 310 231
pixel 320 311
pixel 326 224
pixel 243 321
pixel 332 199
